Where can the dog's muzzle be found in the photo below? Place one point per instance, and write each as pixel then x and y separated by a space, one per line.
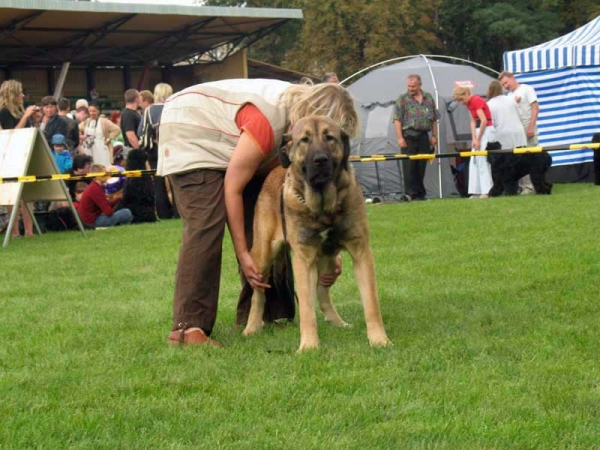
pixel 319 170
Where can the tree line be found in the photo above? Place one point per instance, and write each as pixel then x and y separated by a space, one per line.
pixel 346 36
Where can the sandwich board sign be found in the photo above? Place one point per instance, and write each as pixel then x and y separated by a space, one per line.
pixel 26 152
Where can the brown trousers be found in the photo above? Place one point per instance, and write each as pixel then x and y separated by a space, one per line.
pixel 201 204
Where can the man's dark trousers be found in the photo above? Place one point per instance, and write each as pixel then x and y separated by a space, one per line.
pixel 414 170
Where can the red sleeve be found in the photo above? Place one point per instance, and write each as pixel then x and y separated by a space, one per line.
pixel 250 120
pixel 101 201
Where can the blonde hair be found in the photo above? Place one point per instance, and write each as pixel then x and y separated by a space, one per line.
pixel 506 74
pixel 162 91
pixel 494 90
pixel 328 99
pixel 98 168
pixel 10 98
pixel 460 92
pixel 147 96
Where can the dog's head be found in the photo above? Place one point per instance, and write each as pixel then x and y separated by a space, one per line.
pixel 318 148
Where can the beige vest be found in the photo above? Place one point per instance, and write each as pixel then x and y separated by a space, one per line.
pixel 197 125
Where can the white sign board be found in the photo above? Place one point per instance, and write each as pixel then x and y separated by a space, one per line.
pixel 26 152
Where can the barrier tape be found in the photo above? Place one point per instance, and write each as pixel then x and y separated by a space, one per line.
pixel 430 156
pixel 67 177
pixel 372 158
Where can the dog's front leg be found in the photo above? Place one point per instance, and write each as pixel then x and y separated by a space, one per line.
pixel 364 272
pixel 305 272
pixel 257 310
pixel 327 266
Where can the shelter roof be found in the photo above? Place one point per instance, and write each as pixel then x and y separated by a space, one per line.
pixel 259 69
pixel 578 48
pixel 50 32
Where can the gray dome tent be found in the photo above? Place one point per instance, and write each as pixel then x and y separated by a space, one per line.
pixel 375 95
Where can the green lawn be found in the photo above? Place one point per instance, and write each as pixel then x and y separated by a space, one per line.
pixel 493 307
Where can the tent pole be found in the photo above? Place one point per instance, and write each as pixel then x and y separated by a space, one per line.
pixel 437 105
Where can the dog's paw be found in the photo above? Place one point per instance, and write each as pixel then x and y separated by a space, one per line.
pixel 307 345
pixel 339 322
pixel 379 340
pixel 252 329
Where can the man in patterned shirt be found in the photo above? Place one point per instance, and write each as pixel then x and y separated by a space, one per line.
pixel 414 118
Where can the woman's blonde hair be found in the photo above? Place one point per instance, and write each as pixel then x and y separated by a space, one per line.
pixel 460 92
pixel 162 91
pixel 10 98
pixel 327 99
pixel 494 90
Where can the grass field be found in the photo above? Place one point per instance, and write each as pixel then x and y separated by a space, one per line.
pixel 493 307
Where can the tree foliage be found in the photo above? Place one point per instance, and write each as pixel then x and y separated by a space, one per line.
pixel 345 37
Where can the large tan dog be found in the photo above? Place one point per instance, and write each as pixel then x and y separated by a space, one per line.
pixel 324 213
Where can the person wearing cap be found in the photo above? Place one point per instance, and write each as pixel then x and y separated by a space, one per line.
pixel 51 122
pixel 61 154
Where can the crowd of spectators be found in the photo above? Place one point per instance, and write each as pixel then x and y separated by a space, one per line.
pixel 87 139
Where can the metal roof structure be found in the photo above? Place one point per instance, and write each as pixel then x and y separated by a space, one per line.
pixel 260 69
pixel 52 32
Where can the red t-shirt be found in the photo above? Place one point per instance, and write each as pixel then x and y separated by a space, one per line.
pixel 250 120
pixel 475 103
pixel 93 203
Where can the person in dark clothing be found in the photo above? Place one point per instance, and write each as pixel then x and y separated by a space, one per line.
pixel 138 193
pixel 596 140
pixel 72 136
pixel 165 207
pixel 51 122
pixel 13 116
pixel 130 119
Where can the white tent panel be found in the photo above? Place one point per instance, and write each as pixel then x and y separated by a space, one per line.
pixel 578 48
pixel 569 104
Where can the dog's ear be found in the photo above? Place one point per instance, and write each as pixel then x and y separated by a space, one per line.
pixel 346 144
pixel 284 149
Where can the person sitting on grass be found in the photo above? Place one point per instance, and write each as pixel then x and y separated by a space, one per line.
pixel 95 210
pixel 61 153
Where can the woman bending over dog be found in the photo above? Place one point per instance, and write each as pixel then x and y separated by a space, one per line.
pixel 217 143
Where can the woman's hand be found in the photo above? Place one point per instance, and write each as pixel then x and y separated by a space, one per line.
pixel 328 280
pixel 476 144
pixel 251 272
pixel 30 111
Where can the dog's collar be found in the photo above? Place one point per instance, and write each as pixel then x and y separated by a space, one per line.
pixel 300 198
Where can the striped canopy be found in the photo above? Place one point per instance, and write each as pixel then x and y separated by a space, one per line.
pixel 565 74
pixel 580 48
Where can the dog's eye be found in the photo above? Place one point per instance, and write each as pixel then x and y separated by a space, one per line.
pixel 330 138
pixel 305 139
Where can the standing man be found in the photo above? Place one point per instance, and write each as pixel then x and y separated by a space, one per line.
pixel 130 119
pixel 527 104
pixel 414 118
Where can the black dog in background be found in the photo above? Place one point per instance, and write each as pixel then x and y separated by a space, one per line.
pixel 596 140
pixel 138 194
pixel 508 168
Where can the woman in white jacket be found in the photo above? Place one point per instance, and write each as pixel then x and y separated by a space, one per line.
pixel 217 142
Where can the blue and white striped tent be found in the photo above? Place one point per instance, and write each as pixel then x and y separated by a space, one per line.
pixel 565 73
